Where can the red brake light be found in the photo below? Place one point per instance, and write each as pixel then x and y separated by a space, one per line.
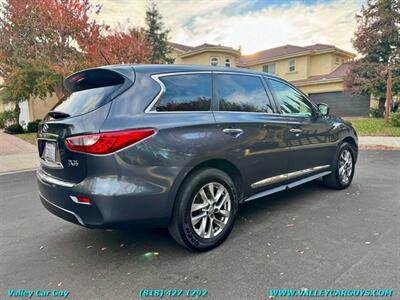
pixel 107 142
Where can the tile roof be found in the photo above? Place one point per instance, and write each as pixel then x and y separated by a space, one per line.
pixel 273 52
pixel 280 51
pixel 187 48
pixel 339 73
pixel 319 47
pixel 180 46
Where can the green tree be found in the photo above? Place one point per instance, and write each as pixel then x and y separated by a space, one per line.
pixel 157 36
pixel 377 39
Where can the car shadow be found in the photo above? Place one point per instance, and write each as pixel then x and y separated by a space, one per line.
pixel 149 244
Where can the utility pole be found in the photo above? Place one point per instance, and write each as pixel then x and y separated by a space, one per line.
pixel 388 94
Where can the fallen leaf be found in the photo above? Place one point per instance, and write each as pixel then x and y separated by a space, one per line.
pixel 367 243
pixel 122 245
pixel 88 247
pixel 41 247
pixel 59 284
pixel 104 248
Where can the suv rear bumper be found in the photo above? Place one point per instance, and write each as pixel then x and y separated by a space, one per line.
pixel 126 206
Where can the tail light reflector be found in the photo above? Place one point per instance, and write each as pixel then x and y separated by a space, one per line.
pixel 81 199
pixel 107 142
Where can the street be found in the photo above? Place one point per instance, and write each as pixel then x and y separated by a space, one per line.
pixel 308 237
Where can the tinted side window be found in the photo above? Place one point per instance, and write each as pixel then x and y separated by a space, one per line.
pixel 242 93
pixel 290 101
pixel 189 92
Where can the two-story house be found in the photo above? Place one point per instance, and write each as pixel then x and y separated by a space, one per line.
pixel 318 70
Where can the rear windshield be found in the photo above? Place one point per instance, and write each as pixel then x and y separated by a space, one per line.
pixel 88 90
pixel 82 102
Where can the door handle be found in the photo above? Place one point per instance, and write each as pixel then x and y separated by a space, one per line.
pixel 235 132
pixel 296 131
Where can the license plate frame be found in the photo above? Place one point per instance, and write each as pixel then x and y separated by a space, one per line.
pixel 49 152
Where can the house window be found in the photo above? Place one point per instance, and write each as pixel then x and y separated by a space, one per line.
pixel 292 65
pixel 214 61
pixel 269 68
pixel 227 62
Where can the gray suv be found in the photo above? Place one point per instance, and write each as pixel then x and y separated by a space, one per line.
pixel 182 146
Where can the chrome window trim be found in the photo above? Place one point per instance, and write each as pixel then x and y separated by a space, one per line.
pixel 246 112
pixel 155 77
pixel 43 176
pixel 286 176
pixel 77 217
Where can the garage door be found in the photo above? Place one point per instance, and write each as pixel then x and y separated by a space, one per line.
pixel 342 104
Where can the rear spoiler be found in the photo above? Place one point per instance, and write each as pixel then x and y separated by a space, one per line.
pixel 99 77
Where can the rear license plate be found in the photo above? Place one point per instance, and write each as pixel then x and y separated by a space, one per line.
pixel 49 152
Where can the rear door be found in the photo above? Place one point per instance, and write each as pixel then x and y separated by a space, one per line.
pixel 82 111
pixel 310 137
pixel 252 133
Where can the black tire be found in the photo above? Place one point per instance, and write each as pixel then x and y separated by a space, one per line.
pixel 181 227
pixel 335 180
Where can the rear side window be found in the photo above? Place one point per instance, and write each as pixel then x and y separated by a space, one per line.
pixel 189 92
pixel 88 90
pixel 242 93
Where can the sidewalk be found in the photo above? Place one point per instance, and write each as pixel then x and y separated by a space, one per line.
pixel 16 154
pixel 387 141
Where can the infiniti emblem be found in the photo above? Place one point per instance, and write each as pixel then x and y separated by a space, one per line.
pixel 45 128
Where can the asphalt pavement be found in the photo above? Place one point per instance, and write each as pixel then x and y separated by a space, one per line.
pixel 308 237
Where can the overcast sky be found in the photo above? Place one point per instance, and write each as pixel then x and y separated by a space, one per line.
pixel 252 24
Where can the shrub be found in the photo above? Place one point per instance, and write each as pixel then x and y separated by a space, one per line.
pixel 14 129
pixel 7 117
pixel 395 119
pixel 33 126
pixel 375 113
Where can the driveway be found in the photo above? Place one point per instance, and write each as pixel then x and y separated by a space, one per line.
pixel 16 154
pixel 309 237
pixel 10 144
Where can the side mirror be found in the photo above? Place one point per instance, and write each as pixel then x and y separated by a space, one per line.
pixel 323 109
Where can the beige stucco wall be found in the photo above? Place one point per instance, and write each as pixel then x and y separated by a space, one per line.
pixel 175 55
pixel 321 64
pixel 205 57
pixel 282 68
pixel 38 108
pixel 322 87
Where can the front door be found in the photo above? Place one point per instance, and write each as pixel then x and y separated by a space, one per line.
pixel 309 136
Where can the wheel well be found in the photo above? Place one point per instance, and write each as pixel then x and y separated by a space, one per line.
pixel 228 168
pixel 351 141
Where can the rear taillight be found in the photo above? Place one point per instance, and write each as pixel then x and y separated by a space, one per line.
pixel 107 142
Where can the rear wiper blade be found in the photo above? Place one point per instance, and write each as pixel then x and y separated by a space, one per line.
pixel 58 114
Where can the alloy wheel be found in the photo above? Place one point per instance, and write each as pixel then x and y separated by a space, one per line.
pixel 345 166
pixel 211 210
